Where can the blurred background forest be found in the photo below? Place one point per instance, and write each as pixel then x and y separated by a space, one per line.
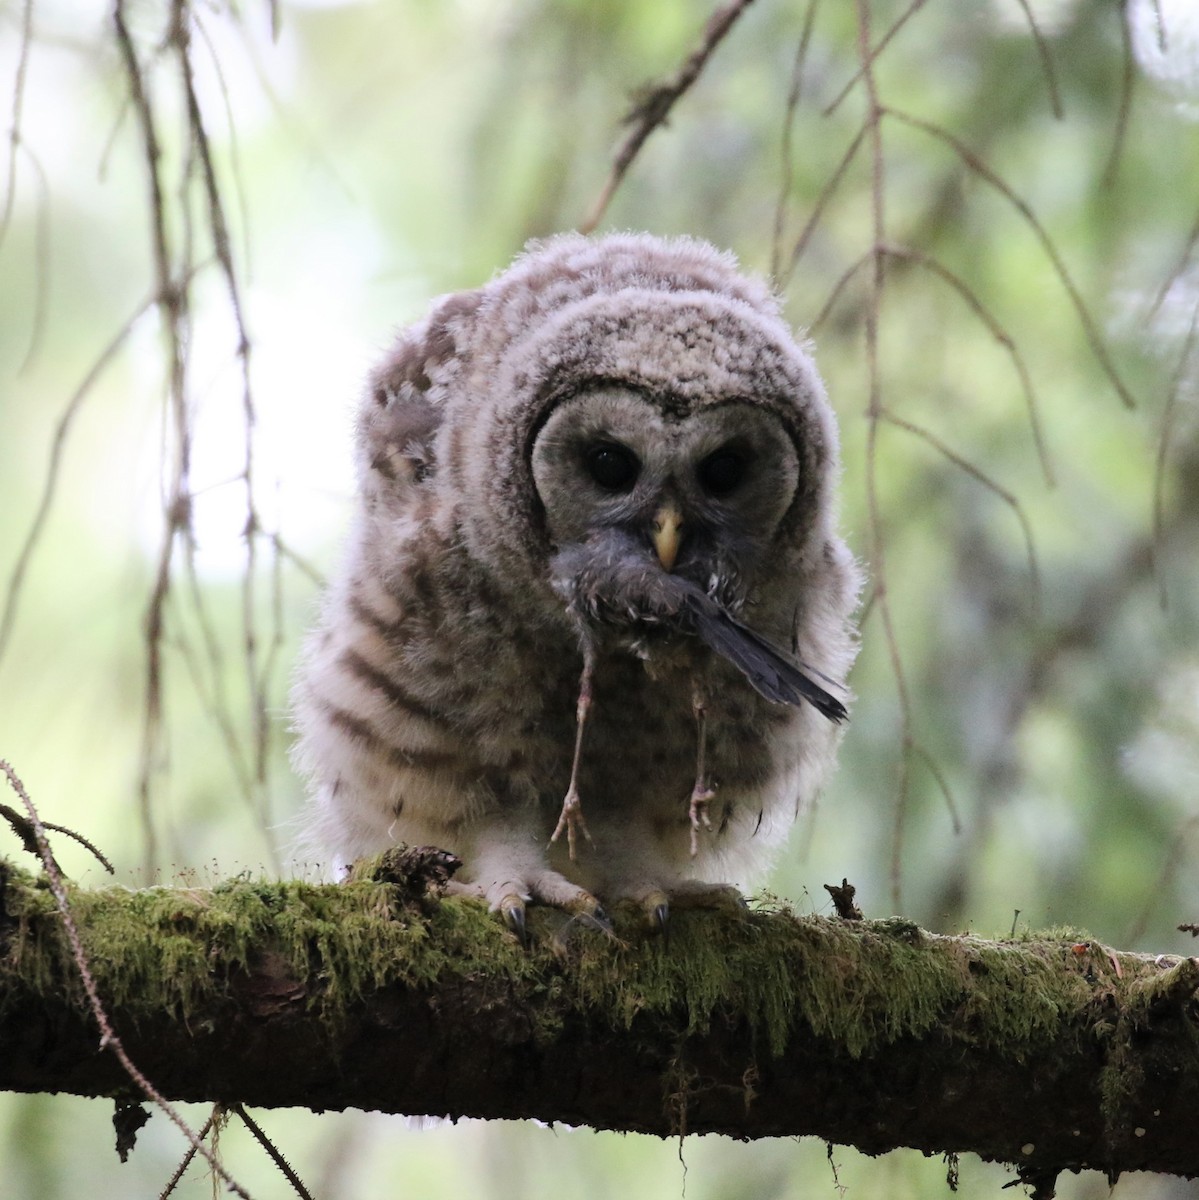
pixel 1021 453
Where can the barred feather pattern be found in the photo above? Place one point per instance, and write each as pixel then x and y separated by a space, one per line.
pixel 435 702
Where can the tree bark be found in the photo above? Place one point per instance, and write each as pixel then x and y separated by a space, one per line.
pixel 1047 1052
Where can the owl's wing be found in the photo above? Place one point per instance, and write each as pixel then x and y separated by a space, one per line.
pixel 404 406
pixel 770 671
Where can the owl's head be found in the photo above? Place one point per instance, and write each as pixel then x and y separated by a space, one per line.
pixel 630 387
pixel 700 492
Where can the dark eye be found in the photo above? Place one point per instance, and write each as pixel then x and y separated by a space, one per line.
pixel 613 466
pixel 722 471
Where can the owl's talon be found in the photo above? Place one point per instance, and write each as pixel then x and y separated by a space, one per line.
pixel 662 921
pixel 512 909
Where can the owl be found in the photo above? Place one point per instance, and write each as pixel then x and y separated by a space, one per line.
pixel 593 618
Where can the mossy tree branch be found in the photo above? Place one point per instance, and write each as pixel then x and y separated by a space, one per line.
pixel 1052 1053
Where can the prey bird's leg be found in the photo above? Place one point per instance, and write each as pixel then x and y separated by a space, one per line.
pixel 572 806
pixel 702 792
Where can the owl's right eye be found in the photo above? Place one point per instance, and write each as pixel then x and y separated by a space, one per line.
pixel 613 466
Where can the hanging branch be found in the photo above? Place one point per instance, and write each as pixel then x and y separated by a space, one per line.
pixel 653 109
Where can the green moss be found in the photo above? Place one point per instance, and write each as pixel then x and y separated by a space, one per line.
pixel 857 983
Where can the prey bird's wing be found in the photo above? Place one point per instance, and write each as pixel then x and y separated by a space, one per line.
pixel 770 671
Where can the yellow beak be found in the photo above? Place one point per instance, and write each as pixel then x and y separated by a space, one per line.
pixel 667 534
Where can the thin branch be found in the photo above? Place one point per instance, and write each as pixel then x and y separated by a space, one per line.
pixel 14 128
pixel 874 416
pixel 1164 445
pixel 272 1150
pixel 108 1037
pixel 256 681
pixel 41 255
pixel 975 472
pixel 868 59
pixel 998 332
pixel 937 774
pixel 172 301
pixel 173 1182
pixel 826 194
pixel 62 429
pixel 835 291
pixel 1090 330
pixel 1127 79
pixel 652 111
pixel 1180 266
pixel 1055 98
pixel 785 152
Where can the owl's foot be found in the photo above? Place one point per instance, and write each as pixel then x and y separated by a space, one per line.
pixel 571 820
pixel 509 897
pixel 701 796
pixel 655 903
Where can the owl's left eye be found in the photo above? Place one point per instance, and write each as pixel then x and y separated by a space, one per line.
pixel 613 466
pixel 722 471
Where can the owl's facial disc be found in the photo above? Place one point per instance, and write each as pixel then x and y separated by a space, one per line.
pixel 702 492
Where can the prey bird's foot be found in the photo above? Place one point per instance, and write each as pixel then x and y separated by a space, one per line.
pixel 701 797
pixel 571 820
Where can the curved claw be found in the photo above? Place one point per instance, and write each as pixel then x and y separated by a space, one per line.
pixel 512 909
pixel 661 916
pixel 597 919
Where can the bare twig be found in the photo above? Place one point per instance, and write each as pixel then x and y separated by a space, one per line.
pixel 980 168
pixel 785 155
pixel 942 783
pixel 173 1182
pixel 1055 98
pixel 998 332
pixel 874 416
pixel 1127 79
pixel 171 297
pixel 652 111
pixel 826 194
pixel 16 580
pixel 1180 266
pixel 14 128
pixel 976 473
pixel 869 59
pixel 273 1151
pixel 41 254
pixel 1164 446
pixel 108 1036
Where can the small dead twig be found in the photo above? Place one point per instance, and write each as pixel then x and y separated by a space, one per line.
pixel 842 896
pixel 653 109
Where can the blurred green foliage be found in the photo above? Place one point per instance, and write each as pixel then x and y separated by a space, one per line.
pixel 373 155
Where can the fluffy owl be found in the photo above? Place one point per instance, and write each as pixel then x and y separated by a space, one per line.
pixel 593 617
